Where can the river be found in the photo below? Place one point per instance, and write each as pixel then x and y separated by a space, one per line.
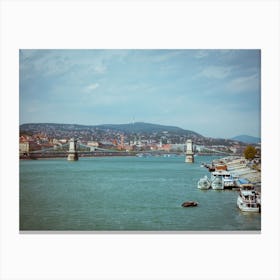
pixel 125 194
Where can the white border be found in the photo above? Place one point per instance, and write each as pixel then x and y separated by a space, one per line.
pixel 157 24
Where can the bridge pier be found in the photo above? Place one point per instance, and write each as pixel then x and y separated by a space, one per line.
pixel 189 152
pixel 72 153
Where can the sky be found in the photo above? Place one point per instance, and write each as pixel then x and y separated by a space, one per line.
pixel 215 93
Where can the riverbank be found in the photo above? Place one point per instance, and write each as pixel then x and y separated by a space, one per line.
pixel 242 168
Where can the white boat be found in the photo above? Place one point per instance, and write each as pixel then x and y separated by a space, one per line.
pixel 204 183
pixel 247 200
pixel 217 179
pixel 217 183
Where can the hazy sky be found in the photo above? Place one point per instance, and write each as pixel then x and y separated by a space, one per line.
pixel 213 92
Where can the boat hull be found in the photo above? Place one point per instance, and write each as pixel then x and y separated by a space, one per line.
pixel 201 187
pixel 189 204
pixel 217 187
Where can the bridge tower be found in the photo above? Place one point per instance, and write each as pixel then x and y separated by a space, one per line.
pixel 72 153
pixel 189 152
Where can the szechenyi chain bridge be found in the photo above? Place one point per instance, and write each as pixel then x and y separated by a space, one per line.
pixel 74 149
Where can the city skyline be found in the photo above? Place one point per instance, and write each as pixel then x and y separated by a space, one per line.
pixel 215 93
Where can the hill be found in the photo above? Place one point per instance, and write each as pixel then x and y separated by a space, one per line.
pixel 247 139
pixel 151 133
pixel 138 127
pixel 111 132
pixel 141 127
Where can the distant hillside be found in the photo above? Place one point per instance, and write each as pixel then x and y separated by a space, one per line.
pixel 141 127
pixel 138 127
pixel 247 139
pixel 153 133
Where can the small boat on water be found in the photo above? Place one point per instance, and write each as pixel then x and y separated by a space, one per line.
pixel 189 204
pixel 248 200
pixel 204 183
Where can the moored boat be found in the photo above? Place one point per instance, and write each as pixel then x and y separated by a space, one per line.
pixel 204 183
pixel 248 200
pixel 217 183
pixel 217 179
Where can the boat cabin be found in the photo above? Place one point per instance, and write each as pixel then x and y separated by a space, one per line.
pixel 247 187
pixel 221 173
pixel 220 167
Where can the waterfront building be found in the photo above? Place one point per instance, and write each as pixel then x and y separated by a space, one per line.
pixel 165 147
pixel 177 147
pixel 93 144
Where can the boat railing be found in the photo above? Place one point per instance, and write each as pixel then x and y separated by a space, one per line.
pixel 251 205
pixel 253 200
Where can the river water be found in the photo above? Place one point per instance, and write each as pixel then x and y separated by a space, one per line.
pixel 125 194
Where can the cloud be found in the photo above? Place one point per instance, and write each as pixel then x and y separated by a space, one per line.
pixel 164 56
pixel 54 63
pixel 216 72
pixel 91 87
pixel 244 84
pixel 99 69
pixel 201 54
pixel 157 56
pixel 34 63
pixel 150 84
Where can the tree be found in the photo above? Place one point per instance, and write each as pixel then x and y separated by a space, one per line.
pixel 250 152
